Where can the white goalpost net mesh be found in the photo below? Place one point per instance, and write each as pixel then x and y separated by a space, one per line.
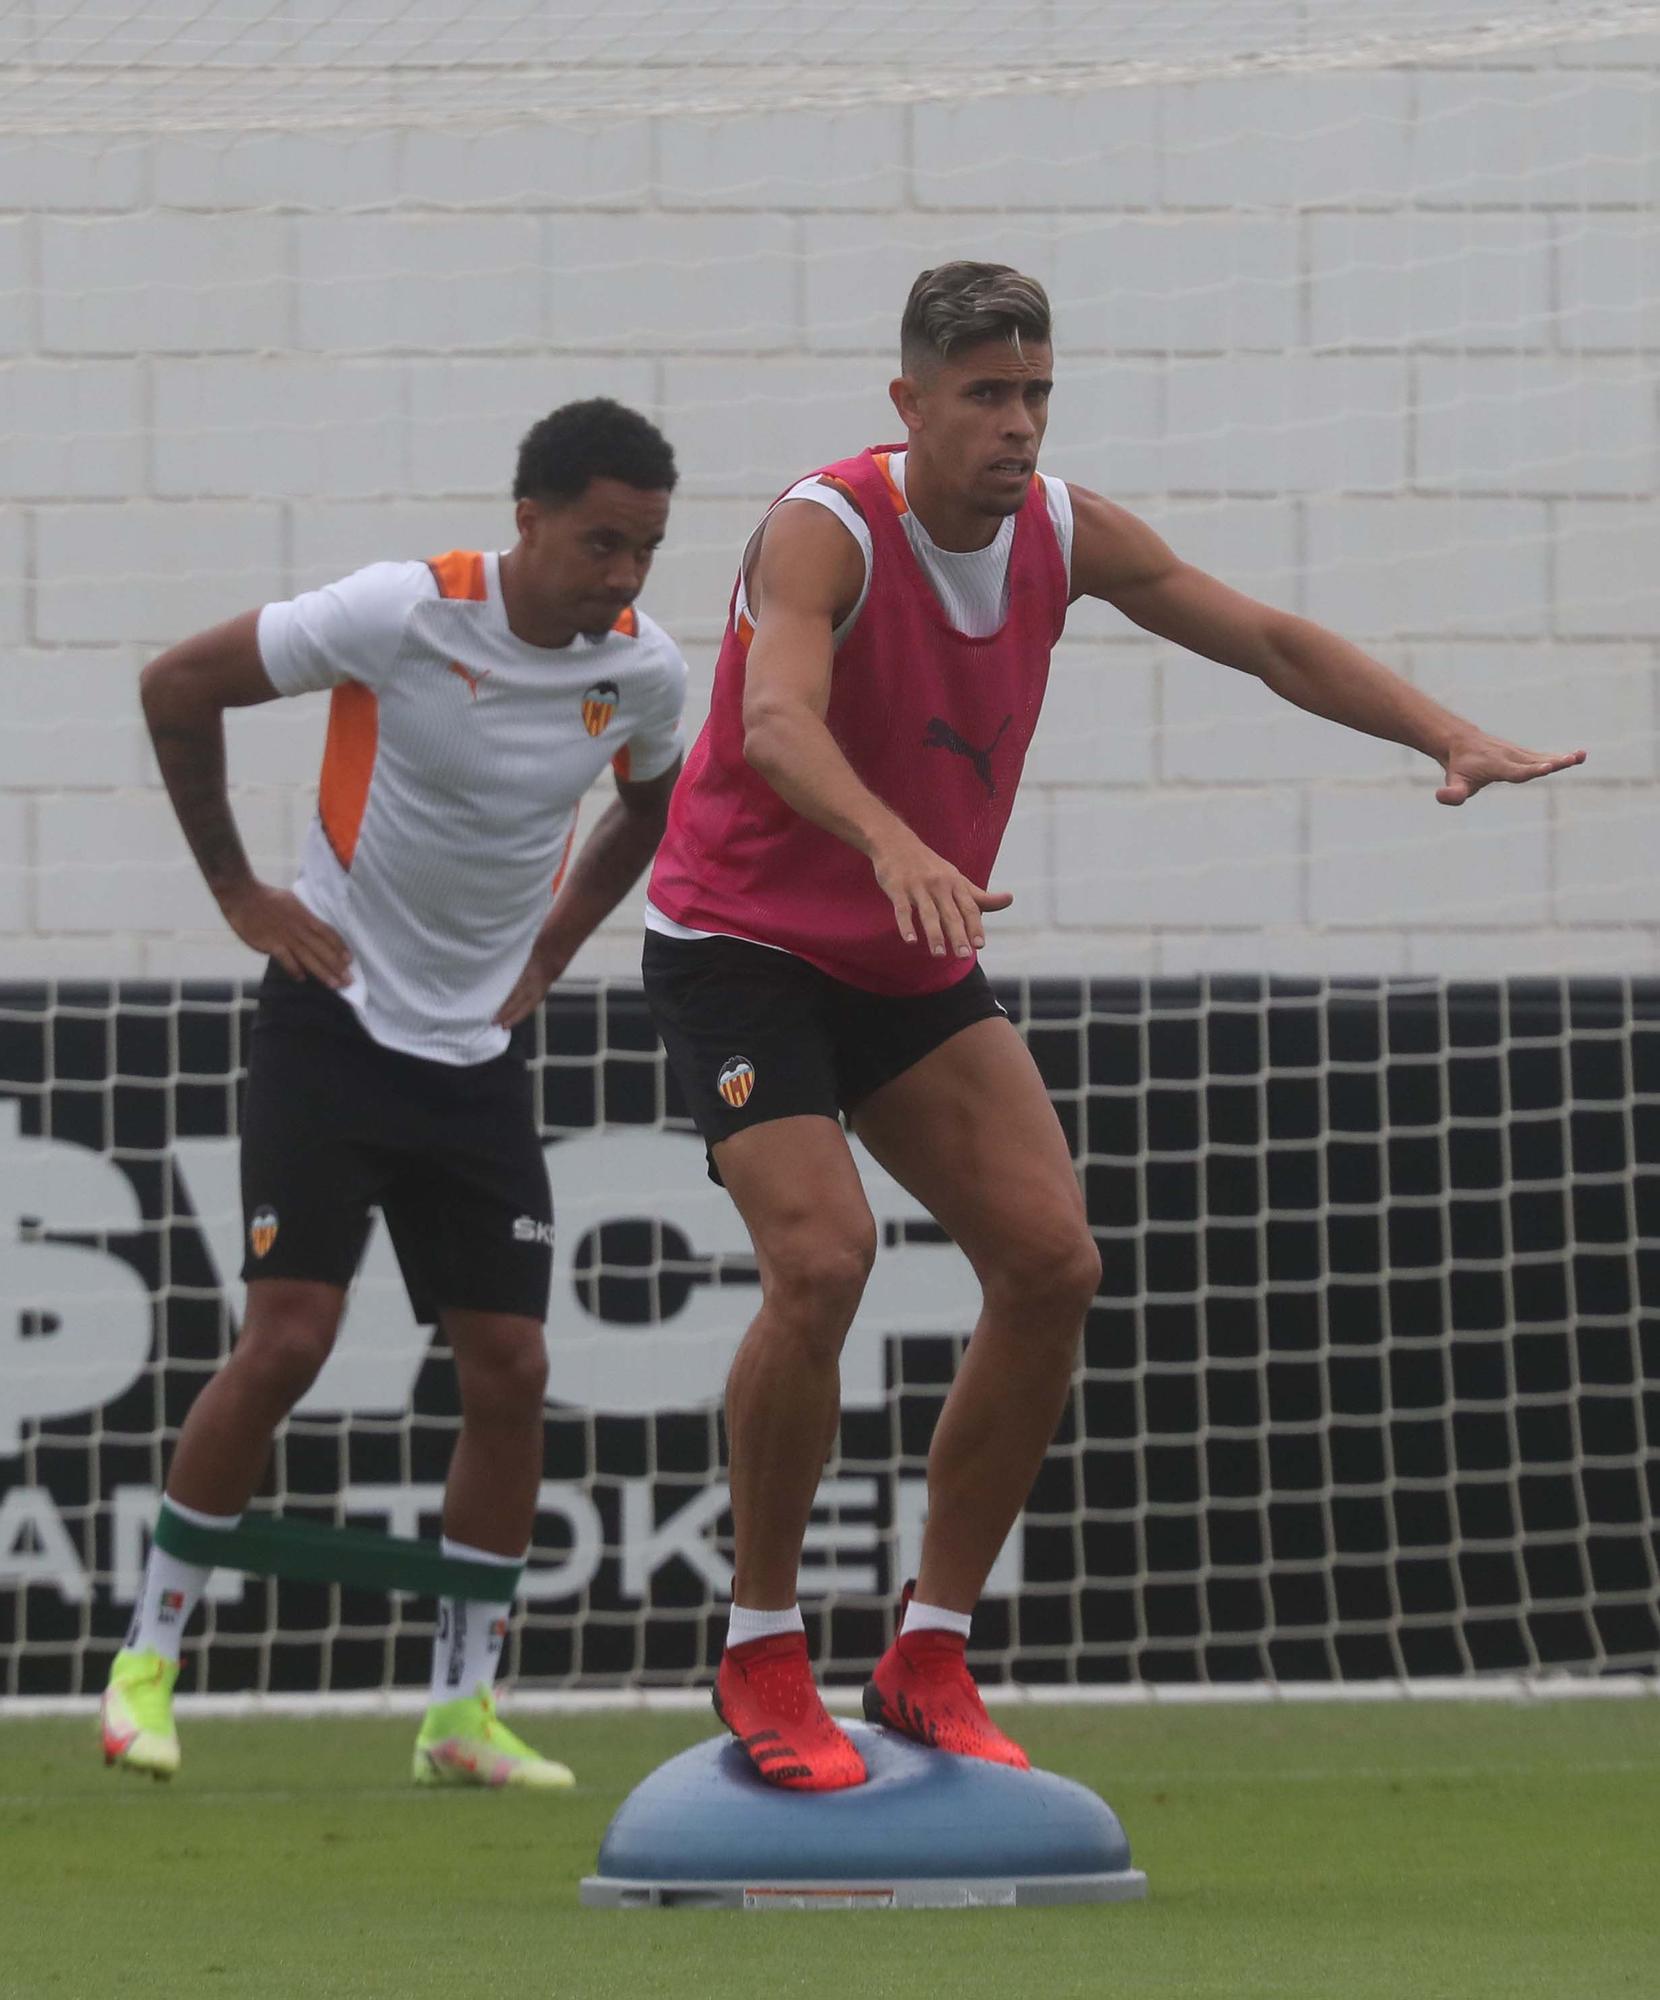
pixel 1359 304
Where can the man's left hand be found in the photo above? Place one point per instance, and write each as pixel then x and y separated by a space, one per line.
pixel 1478 760
pixel 529 989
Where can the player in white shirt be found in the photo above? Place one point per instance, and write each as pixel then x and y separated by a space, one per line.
pixel 474 699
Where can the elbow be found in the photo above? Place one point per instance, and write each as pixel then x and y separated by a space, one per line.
pixel 772 735
pixel 760 744
pixel 1278 655
pixel 155 689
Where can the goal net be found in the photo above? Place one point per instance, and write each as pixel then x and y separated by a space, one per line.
pixel 1359 305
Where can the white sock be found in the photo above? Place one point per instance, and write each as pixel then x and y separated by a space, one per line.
pixel 920 1617
pixel 471 1632
pixel 171 1590
pixel 742 1625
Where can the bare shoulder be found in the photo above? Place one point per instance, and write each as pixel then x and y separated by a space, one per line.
pixel 806 560
pixel 1113 549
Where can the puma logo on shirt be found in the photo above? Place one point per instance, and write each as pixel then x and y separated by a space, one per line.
pixel 474 677
pixel 941 736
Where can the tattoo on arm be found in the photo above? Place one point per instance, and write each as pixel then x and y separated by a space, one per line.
pixel 191 755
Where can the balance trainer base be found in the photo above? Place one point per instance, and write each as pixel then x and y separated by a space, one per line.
pixel 926 1831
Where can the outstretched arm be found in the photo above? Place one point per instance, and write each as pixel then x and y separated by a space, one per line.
pixel 807 577
pixel 1119 558
pixel 611 862
pixel 185 692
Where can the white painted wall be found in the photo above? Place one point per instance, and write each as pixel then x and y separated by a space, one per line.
pixel 1381 347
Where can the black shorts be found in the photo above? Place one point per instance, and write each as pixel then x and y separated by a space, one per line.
pixel 334 1125
pixel 754 1034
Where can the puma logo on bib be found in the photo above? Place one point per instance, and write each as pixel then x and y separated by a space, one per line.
pixel 941 736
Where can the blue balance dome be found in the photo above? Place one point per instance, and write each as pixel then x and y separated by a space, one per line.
pixel 926 1831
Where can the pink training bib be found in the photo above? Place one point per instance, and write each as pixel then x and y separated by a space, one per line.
pixel 935 723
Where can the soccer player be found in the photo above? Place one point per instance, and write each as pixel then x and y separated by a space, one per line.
pixel 814 915
pixel 475 698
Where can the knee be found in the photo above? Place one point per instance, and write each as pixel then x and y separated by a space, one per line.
pixel 817 1277
pixel 281 1353
pixel 1051 1276
pixel 505 1381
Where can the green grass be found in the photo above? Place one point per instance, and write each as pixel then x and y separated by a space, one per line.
pixel 1338 1854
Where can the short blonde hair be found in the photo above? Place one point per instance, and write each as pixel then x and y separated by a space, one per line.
pixel 956 305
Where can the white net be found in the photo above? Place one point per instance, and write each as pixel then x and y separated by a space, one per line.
pixel 1359 304
pixel 90 66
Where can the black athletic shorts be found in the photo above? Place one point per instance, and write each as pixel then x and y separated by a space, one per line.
pixel 334 1125
pixel 755 1034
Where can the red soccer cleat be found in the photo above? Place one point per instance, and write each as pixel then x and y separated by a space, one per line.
pixel 766 1696
pixel 922 1689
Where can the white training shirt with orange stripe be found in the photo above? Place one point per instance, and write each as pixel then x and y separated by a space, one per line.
pixel 456 758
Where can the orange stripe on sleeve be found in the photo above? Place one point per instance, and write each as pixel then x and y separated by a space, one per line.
pixel 460 573
pixel 622 763
pixel 841 486
pixel 894 494
pixel 348 765
pixel 565 858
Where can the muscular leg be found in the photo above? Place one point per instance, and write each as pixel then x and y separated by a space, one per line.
pixel 971 1133
pixel 501 1365
pixel 799 1193
pixel 288 1330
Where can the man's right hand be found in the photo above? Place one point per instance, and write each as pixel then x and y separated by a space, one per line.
pixel 945 902
pixel 276 922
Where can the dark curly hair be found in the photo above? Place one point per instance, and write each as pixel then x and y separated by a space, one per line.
pixel 596 439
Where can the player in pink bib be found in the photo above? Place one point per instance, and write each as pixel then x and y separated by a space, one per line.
pixel 815 913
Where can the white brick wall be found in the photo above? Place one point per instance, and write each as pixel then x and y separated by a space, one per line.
pixel 163 283
pixel 1609 266
pixel 71 172
pixel 1157 857
pixel 419 282
pixel 256 170
pixel 1605 858
pixel 661 282
pixel 332 537
pixel 466 417
pixel 755 430
pixel 1504 136
pixel 14 587
pixel 1381 348
pixel 14 286
pixel 72 719
pixel 15 868
pixel 1277 423
pixel 1341 139
pixel 1525 424
pixel 276 428
pixel 1395 856
pixel 112 572
pixel 1470 279
pixel 1178 283
pixel 72 429
pixel 1039 153
pixel 115 862
pixel 776 161
pixel 1417 566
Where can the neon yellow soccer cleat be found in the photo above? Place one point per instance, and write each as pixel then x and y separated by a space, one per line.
pixel 137 1714
pixel 465 1743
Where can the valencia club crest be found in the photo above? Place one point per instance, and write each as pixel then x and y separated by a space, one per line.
pixel 736 1081
pixel 599 704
